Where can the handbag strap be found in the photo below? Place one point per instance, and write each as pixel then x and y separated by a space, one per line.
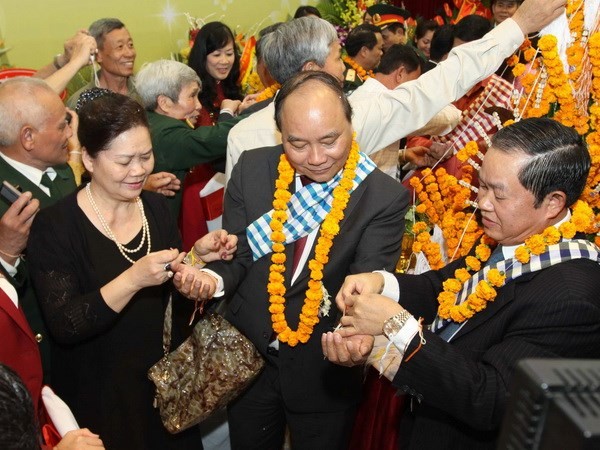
pixel 168 323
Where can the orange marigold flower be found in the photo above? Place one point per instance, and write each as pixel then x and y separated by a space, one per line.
pixel 567 229
pixel 456 315
pixel 465 310
pixel 452 285
pixel 536 244
pixel 496 278
pixel 446 297
pixel 485 291
pixel 522 254
pixel 518 70
pixel 462 274
pixel 551 235
pixel 473 263
pixel 421 208
pixel 482 252
pixel 423 237
pixel 419 227
pixel 276 309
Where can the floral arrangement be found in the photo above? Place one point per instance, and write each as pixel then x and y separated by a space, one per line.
pixel 462 8
pixel 346 14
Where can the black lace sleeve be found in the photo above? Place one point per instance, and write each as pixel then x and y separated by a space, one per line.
pixel 72 305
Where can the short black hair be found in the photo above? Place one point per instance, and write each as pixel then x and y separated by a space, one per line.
pixel 441 43
pixel 471 28
pixel 361 36
pixel 423 26
pixel 310 76
pixel 103 118
pixel 399 55
pixel 560 160
pixel 18 425
pixel 307 10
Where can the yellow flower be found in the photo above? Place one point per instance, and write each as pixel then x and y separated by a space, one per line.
pixel 522 254
pixel 567 229
pixel 462 274
pixel 482 251
pixel 551 235
pixel 496 278
pixel 536 244
pixel 473 263
pixel 485 291
pixel 419 227
pixel 452 285
pixel 447 297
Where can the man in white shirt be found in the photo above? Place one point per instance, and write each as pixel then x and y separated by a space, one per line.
pixel 390 115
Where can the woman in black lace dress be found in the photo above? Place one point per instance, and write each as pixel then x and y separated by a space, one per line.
pixel 98 261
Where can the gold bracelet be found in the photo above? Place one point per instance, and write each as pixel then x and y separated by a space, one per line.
pixel 11 256
pixel 192 259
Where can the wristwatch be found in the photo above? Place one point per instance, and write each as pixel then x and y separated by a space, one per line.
pixel 394 324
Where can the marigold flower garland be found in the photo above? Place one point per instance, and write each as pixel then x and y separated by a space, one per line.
pixel 442 199
pixel 268 92
pixel 329 229
pixel 362 73
pixel 582 220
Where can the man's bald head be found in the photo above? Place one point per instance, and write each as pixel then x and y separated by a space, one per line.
pixel 23 101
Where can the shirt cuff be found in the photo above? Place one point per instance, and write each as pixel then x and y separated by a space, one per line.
pixel 220 285
pixel 391 288
pixel 406 334
pixel 11 270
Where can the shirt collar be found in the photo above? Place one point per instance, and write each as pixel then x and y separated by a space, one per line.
pixel 33 174
pixel 508 251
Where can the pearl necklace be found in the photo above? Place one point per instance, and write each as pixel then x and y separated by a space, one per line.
pixel 145 228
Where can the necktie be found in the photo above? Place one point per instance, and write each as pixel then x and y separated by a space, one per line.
pixel 47 182
pixel 300 243
pixel 496 256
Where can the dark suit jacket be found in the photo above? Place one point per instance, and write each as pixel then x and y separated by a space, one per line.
pixel 462 385
pixel 65 184
pixel 19 349
pixel 369 239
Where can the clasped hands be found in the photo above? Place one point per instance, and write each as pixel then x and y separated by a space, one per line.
pixel 189 279
pixel 365 311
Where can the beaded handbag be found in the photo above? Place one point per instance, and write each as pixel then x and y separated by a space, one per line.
pixel 208 370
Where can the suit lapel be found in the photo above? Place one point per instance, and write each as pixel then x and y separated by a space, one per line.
pixel 65 182
pixel 505 295
pixel 16 315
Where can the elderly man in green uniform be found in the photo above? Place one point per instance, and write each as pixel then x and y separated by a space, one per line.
pixel 34 130
pixel 116 57
pixel 392 22
pixel 363 53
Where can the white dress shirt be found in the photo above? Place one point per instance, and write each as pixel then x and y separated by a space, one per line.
pixel 391 115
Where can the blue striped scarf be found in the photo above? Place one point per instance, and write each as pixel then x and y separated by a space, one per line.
pixel 306 210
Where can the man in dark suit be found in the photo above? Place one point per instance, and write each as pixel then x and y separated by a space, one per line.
pixel 298 388
pixel 34 131
pixel 457 371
